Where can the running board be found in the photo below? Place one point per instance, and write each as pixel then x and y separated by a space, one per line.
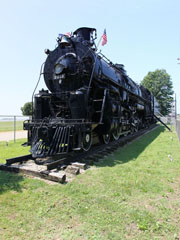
pixel 162 123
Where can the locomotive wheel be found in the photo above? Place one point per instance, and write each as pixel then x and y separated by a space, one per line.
pixel 87 142
pixel 134 129
pixel 106 138
pixel 116 133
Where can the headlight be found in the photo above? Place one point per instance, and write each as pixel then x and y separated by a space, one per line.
pixel 58 68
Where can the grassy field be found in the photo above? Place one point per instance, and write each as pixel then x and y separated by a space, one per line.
pixel 9 126
pixel 132 194
pixel 13 149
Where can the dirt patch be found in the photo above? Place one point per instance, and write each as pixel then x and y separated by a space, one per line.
pixel 6 136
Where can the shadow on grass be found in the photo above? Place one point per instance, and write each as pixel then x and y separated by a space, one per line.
pixel 10 181
pixel 132 151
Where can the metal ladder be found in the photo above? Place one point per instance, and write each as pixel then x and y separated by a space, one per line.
pixel 100 111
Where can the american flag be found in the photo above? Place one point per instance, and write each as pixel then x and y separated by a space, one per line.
pixel 104 38
pixel 68 34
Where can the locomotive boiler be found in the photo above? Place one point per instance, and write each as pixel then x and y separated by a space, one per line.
pixel 89 99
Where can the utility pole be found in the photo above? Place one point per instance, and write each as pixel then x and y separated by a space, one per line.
pixel 175 107
pixel 175 94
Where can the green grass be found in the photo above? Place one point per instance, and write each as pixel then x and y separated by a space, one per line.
pixel 133 194
pixel 13 149
pixel 9 126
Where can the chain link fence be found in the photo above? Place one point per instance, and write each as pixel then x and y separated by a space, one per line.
pixel 174 125
pixel 11 127
pixel 170 121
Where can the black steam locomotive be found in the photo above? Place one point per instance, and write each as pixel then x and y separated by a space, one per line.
pixel 89 98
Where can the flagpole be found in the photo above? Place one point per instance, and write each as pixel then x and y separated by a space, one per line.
pixel 98 43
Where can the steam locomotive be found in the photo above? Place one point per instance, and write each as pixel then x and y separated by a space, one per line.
pixel 89 99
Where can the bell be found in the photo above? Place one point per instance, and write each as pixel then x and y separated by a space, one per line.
pixel 64 41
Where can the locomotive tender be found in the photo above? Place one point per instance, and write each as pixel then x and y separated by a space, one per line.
pixel 88 98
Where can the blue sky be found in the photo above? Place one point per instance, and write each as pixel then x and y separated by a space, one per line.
pixel 144 35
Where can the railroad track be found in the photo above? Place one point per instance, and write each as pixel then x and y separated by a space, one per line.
pixel 65 167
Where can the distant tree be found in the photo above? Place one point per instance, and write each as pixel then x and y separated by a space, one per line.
pixel 160 84
pixel 27 109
